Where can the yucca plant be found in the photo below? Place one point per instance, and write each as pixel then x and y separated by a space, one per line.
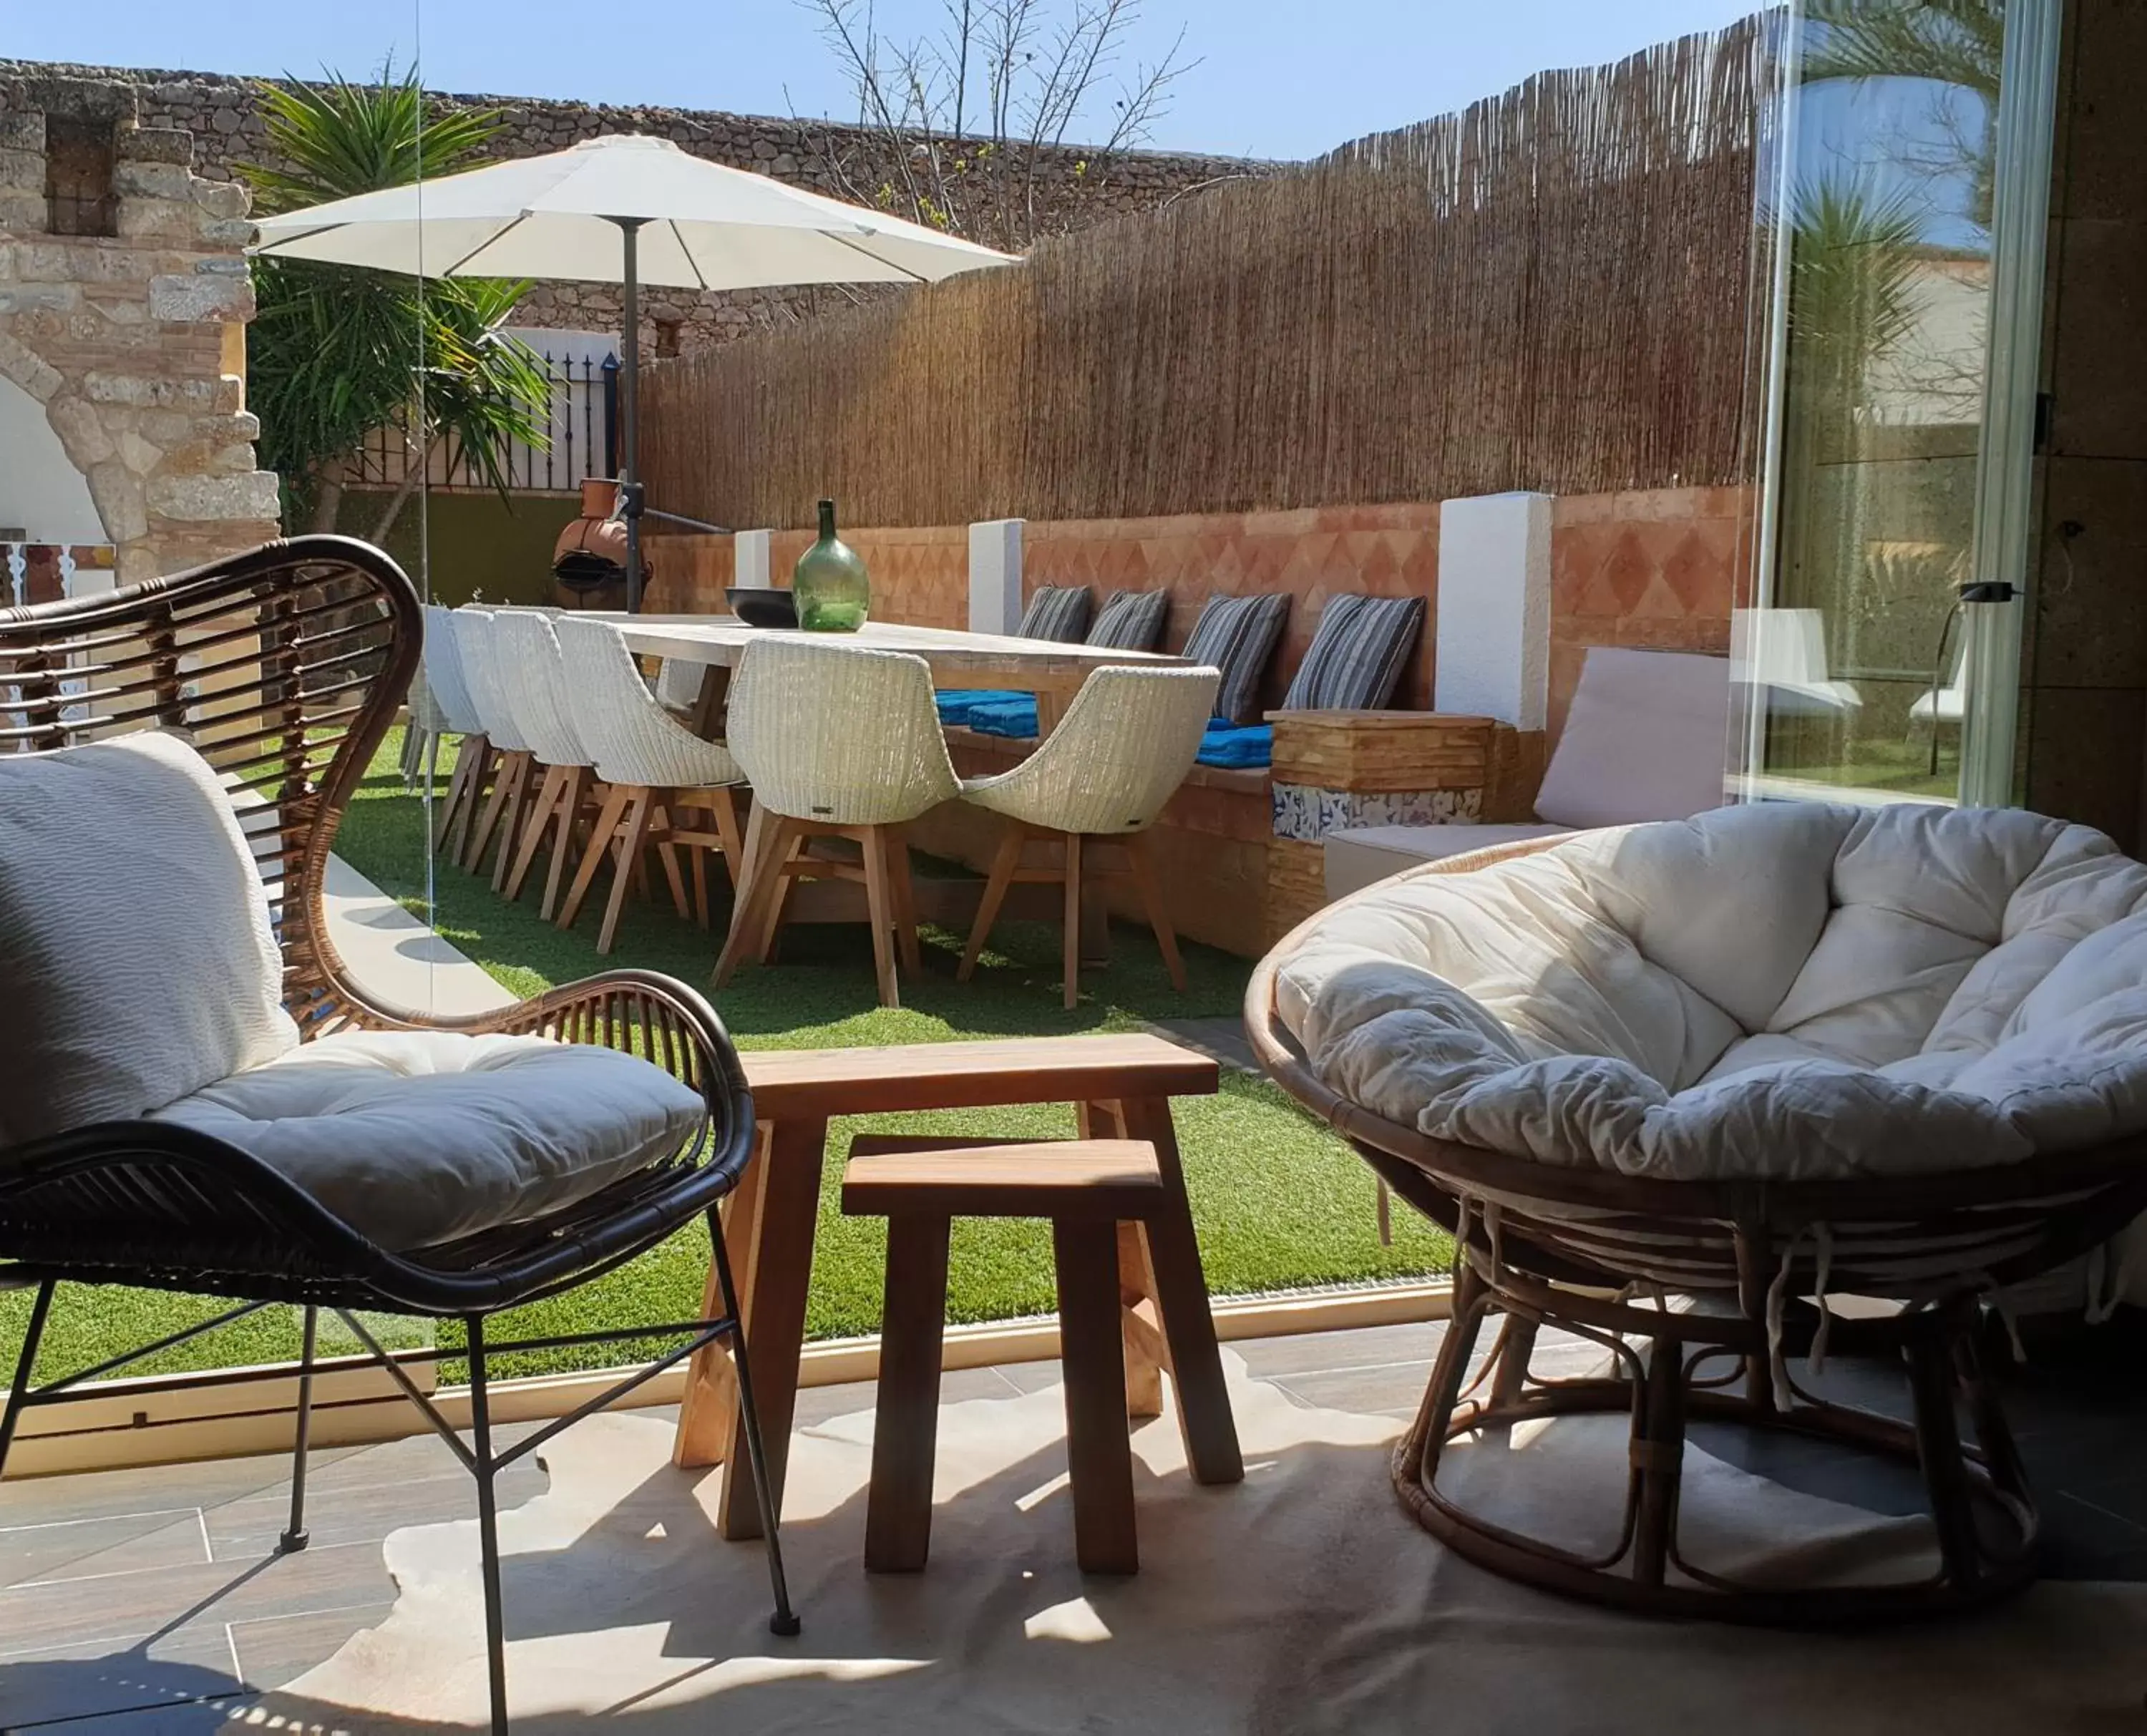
pixel 335 354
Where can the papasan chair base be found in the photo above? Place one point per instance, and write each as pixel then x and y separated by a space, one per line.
pixel 1672 1368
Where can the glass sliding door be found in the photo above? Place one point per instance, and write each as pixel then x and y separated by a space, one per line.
pixel 1879 661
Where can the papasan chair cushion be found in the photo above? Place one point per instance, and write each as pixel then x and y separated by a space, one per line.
pixel 1785 990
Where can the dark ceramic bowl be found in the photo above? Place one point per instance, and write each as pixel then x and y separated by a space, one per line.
pixel 759 607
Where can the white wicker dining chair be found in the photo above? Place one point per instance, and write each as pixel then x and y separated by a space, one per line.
pixel 667 787
pixel 536 685
pixel 839 742
pixel 678 682
pixel 1089 793
pixel 474 753
pixel 484 671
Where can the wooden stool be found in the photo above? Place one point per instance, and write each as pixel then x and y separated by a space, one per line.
pixel 1087 1188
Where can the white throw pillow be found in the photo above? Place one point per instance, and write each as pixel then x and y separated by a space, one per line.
pixel 136 960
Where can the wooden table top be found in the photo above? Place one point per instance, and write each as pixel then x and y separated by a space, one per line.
pixel 722 639
pixel 968 1074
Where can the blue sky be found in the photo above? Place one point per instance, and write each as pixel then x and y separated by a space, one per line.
pixel 1275 77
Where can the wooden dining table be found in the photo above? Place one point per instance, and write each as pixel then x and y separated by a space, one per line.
pixel 1052 671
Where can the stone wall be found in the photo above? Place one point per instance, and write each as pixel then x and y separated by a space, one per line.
pixel 132 341
pixel 1076 187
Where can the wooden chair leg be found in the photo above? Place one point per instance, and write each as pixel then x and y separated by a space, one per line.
pixel 502 791
pixel 1073 937
pixel 580 780
pixel 905 898
pixel 700 859
pixel 482 773
pixel 798 840
pixel 1097 1454
pixel 1151 897
pixel 763 883
pixel 723 802
pixel 663 820
pixel 511 818
pixel 631 843
pixel 905 1423
pixel 535 824
pixel 601 838
pixel 1003 865
pixel 467 755
pixel 880 909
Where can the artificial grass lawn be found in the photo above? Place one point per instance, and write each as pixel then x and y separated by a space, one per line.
pixel 1279 1203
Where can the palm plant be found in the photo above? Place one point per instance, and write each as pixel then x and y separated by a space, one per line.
pixel 1956 42
pixel 337 354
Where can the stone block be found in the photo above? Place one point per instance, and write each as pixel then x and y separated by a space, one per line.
pixel 22 132
pixel 132 389
pixel 227 232
pixel 81 430
pixel 199 296
pixel 40 297
pixel 153 180
pixel 171 220
pixel 29 370
pixel 22 212
pixel 222 199
pixel 137 564
pixel 23 171
pixel 200 498
pixel 80 261
pixel 120 500
pixel 165 145
pixel 138 455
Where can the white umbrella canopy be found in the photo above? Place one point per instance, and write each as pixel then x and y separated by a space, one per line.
pixel 624 208
pixel 701 225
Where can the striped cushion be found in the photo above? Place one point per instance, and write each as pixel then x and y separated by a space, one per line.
pixel 1237 635
pixel 1356 659
pixel 1057 612
pixel 1132 620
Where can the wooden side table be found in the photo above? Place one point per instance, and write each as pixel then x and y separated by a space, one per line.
pixel 1092 1190
pixel 1122 1086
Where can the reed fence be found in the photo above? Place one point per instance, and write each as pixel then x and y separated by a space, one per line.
pixel 1547 290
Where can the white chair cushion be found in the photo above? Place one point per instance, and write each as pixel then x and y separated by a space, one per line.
pixel 136 960
pixel 1643 740
pixel 418 1137
pixel 1782 990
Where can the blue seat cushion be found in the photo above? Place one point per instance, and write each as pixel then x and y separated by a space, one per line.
pixel 1236 745
pixel 1014 716
pixel 956 704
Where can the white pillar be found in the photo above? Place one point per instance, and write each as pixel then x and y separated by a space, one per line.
pixel 749 558
pixel 995 575
pixel 1493 657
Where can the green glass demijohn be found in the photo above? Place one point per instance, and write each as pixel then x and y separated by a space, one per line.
pixel 828 586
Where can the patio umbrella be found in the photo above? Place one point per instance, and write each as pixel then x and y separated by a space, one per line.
pixel 625 209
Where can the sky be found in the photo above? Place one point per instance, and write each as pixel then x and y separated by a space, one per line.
pixel 1280 78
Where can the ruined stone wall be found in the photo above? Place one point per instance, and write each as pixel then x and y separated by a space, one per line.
pixel 1071 186
pixel 132 341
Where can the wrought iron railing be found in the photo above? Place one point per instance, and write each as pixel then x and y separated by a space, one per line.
pixel 583 425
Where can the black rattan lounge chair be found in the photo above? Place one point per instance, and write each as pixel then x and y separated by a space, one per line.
pixel 284 667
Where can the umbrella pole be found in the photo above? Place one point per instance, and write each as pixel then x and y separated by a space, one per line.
pixel 629 491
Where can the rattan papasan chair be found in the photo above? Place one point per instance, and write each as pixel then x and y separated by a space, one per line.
pixel 1674 1087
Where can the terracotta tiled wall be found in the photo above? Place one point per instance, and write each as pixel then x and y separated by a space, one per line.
pixel 1388 551
pixel 1657 569
pixel 919 576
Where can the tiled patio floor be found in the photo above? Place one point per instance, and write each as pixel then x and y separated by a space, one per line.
pixel 147 1601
